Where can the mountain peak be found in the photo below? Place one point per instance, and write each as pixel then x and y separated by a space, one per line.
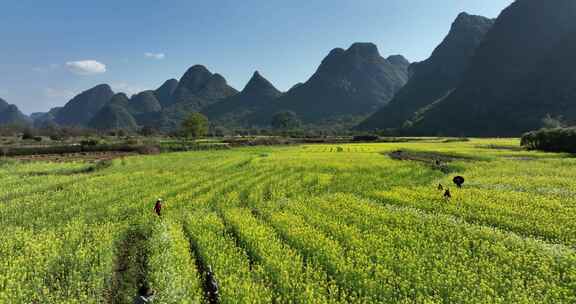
pixel 195 77
pixel 10 114
pixel 336 52
pixel 171 83
pixel 198 68
pixel 463 16
pixel 119 99
pixel 505 81
pixel 166 90
pixel 365 49
pixel 466 33
pixel 347 83
pixel 256 79
pixel 102 86
pixel 3 104
pixel 467 19
pixel 435 77
pixel 199 87
pixel 258 85
pixel 218 78
pixel 398 60
pixel 257 93
pixel 82 108
pixel 145 102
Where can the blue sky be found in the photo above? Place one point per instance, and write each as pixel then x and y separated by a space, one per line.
pixel 51 50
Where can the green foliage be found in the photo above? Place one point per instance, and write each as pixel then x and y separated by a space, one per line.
pixel 195 126
pixel 551 140
pixel 285 120
pixel 148 131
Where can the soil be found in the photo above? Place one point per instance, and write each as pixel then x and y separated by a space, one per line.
pixel 83 156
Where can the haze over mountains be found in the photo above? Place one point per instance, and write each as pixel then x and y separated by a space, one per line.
pixel 486 78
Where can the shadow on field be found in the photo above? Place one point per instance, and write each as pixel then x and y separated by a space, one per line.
pixel 435 160
pixel 130 269
pixel 92 168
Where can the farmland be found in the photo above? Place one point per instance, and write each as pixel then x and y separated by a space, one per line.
pixel 296 224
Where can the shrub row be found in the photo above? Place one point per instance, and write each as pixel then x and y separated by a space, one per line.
pixel 551 140
pixel 23 151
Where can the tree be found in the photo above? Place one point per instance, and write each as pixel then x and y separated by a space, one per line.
pixel 148 131
pixel 551 140
pixel 549 122
pixel 285 120
pixel 195 126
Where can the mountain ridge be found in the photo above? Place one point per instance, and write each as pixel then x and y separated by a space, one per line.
pixel 233 110
pixel 436 76
pixel 499 94
pixel 355 81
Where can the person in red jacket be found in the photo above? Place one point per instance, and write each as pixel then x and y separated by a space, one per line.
pixel 158 206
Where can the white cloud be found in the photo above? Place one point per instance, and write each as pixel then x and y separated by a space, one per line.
pixel 127 88
pixel 157 56
pixel 86 67
pixel 59 93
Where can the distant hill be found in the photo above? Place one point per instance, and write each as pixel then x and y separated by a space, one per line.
pixel 3 104
pixel 435 77
pixel 165 92
pixel 144 102
pixel 524 69
pixel 197 89
pixel 356 81
pixel 402 63
pixel 164 108
pixel 120 100
pixel 114 115
pixel 486 78
pixel 81 109
pixel 233 110
pixel 45 119
pixel 11 115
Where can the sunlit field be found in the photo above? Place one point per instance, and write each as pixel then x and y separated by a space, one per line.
pixel 298 224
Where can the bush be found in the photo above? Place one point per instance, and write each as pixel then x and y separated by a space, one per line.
pixel 133 141
pixel 148 131
pixel 56 137
pixel 89 142
pixel 457 139
pixel 27 135
pixel 551 140
pixel 148 149
pixel 365 138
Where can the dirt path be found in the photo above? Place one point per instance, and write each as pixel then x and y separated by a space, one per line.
pixel 130 271
pixel 83 156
